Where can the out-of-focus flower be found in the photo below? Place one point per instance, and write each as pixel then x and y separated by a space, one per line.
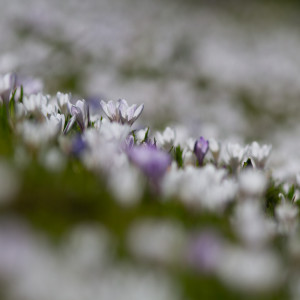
pixel 30 85
pixel 160 241
pixel 200 188
pixel 250 271
pixel 251 225
pixel 57 120
pixel 141 135
pixel 205 251
pixel 287 215
pixel 126 184
pixel 188 155
pixel 166 139
pixel 36 134
pixel 235 155
pixel 259 154
pixel 200 149
pixel 7 84
pixel 153 162
pixel 114 132
pixel 129 142
pixel 80 114
pixel 36 104
pixel 63 102
pixel 78 145
pixel 53 160
pixel 214 147
pixel 252 183
pixel 120 111
pixel 20 111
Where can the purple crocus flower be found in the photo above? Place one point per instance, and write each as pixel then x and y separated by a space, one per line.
pixel 152 161
pixel 151 143
pixel 200 149
pixel 78 145
pixel 205 251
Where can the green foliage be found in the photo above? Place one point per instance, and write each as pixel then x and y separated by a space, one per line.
pixel 146 136
pixel 291 193
pixel 272 198
pixel 178 156
pixel 248 164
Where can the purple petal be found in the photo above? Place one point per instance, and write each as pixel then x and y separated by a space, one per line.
pixel 200 149
pixel 151 161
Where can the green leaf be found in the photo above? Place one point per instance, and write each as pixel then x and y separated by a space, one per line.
pixel 134 136
pixel 21 94
pixel 178 156
pixel 272 198
pixel 12 107
pixel 12 98
pixel 146 136
pixel 291 193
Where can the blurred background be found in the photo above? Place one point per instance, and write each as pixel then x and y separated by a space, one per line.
pixel 223 68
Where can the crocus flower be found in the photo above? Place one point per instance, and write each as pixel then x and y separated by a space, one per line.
pixel 120 111
pixel 58 120
pixel 165 140
pixel 215 147
pixel 129 142
pixel 78 145
pixel 80 114
pixel 153 162
pixel 287 215
pixel 200 149
pixel 259 154
pixel 235 155
pixel 7 84
pixel 205 251
pixel 36 104
pixel 63 102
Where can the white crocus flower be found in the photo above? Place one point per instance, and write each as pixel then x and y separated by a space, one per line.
pixel 114 132
pixel 259 154
pixel 140 134
pixel 251 225
pixel 235 155
pixel 250 271
pixel 189 157
pixel 166 139
pixel 20 111
pixel 58 120
pixel 121 112
pixel 63 102
pixel 287 215
pixel 37 134
pixel 214 147
pixel 49 109
pixel 36 104
pixel 7 84
pixel 252 183
pixel 80 114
